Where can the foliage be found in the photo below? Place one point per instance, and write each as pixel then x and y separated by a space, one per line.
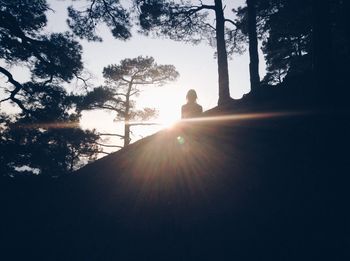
pixel 101 97
pixel 140 70
pixel 179 21
pixel 288 44
pixel 49 58
pixel 285 30
pixel 50 140
pixel 45 136
pixel 124 82
pixel 110 12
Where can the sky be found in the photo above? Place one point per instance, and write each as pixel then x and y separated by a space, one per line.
pixel 195 63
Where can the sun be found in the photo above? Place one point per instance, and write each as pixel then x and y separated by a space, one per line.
pixel 168 117
pixel 168 102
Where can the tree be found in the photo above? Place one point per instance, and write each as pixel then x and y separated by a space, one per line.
pixel 305 43
pixel 184 21
pixel 285 30
pixel 54 57
pixel 110 12
pixel 247 25
pixel 45 135
pixel 253 46
pixel 51 142
pixel 124 82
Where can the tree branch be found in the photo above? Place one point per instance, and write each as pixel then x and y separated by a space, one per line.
pixel 48 81
pixel 125 80
pixel 133 93
pixel 104 107
pixel 231 21
pixel 109 146
pixel 82 79
pixel 9 22
pixel 195 9
pixel 142 124
pixel 116 25
pixel 102 152
pixel 18 87
pixel 111 134
pixel 210 26
pixel 120 94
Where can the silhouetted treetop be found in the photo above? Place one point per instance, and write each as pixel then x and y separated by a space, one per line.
pixel 63 57
pixel 49 57
pixel 56 55
pixel 110 12
pixel 45 136
pixel 124 82
pixel 29 16
pixel 49 140
pixel 284 27
pixel 182 21
pixel 101 97
pixel 140 70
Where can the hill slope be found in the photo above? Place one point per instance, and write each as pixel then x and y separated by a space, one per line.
pixel 268 187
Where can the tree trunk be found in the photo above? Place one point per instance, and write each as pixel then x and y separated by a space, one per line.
pixel 253 46
pixel 126 133
pixel 127 117
pixel 322 61
pixel 224 91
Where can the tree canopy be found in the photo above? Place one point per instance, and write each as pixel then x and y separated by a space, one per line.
pixel 302 40
pixel 124 81
pixel 110 12
pixel 53 57
pixel 45 136
pixel 51 142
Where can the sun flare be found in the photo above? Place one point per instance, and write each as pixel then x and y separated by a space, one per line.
pixel 168 104
pixel 168 123
pixel 169 115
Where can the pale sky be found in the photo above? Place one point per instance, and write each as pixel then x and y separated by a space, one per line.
pixel 195 63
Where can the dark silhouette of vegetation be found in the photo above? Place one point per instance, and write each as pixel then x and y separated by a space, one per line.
pixel 53 57
pixel 305 47
pixel 110 12
pixel 284 28
pixel 45 135
pixel 124 81
pixel 51 142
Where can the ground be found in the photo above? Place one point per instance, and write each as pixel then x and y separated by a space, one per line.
pixel 268 188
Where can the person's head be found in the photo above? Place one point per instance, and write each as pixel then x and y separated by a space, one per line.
pixel 191 96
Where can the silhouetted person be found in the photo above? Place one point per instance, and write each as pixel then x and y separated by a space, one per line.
pixel 191 109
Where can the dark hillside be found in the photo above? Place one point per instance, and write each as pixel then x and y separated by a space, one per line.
pixel 263 188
